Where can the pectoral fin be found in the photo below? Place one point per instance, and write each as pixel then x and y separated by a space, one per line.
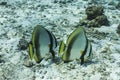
pixel 30 51
pixel 61 48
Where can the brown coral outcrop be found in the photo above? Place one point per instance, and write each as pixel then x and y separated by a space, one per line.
pixel 95 17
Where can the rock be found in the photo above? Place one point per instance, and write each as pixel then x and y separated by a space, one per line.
pixel 92 23
pixel 111 3
pixel 97 22
pixel 1 59
pixel 118 6
pixel 71 66
pixel 23 44
pixel 93 2
pixel 28 63
pixel 93 11
pixel 95 17
pixel 63 1
pixel 3 3
pixel 45 72
pixel 101 20
pixel 118 29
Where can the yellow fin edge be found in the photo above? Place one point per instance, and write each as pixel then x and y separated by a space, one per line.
pixel 36 58
pixel 31 51
pixel 61 48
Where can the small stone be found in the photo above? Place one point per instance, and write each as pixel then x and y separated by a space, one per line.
pixel 42 77
pixel 34 78
pixel 103 78
pixel 3 3
pixel 105 73
pixel 23 44
pixel 118 29
pixel 71 66
pixel 118 63
pixel 1 59
pixel 111 3
pixel 28 63
pixel 85 0
pixel 45 72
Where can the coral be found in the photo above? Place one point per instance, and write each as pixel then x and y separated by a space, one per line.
pixel 28 63
pixel 95 17
pixel 94 11
pixel 97 22
pixel 101 20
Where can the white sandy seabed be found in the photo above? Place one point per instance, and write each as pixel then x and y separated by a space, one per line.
pixel 18 18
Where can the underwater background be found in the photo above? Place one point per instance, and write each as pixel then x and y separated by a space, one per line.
pixel 101 19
